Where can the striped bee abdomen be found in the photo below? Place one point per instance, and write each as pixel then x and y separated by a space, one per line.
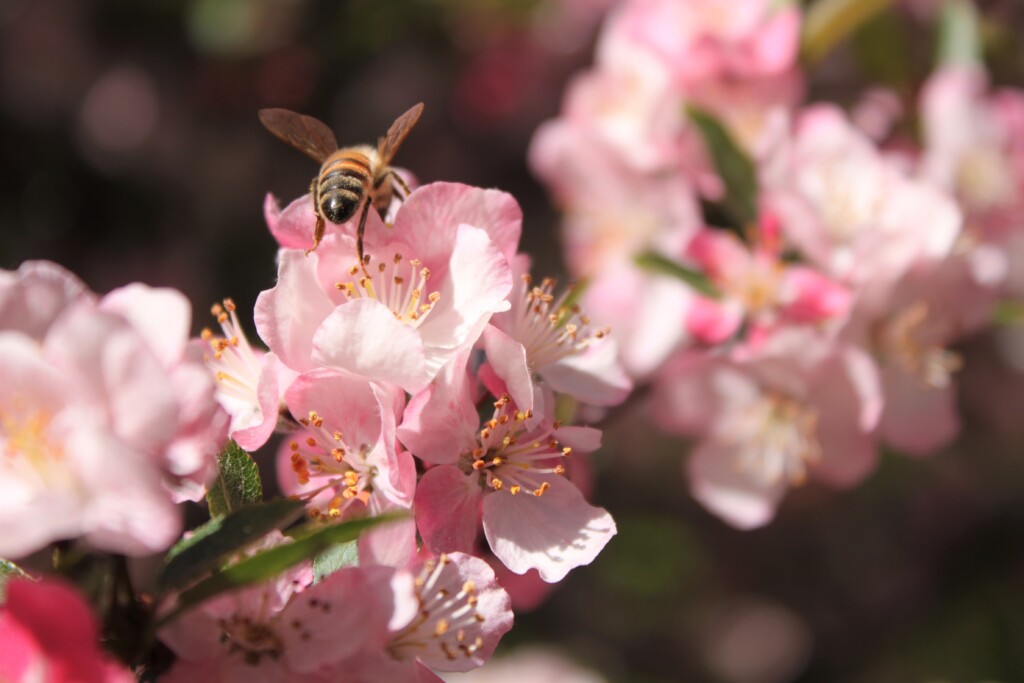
pixel 344 180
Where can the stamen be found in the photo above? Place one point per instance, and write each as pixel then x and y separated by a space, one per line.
pixel 401 291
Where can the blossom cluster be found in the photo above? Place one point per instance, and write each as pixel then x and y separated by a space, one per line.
pixel 789 277
pixel 432 383
pixel 423 379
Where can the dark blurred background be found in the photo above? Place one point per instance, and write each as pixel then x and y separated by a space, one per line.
pixel 131 151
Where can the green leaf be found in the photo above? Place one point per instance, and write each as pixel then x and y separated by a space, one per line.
pixel 238 484
pixel 334 558
pixel 214 542
pixel 733 166
pixel 269 563
pixel 882 47
pixel 8 571
pixel 829 22
pixel 1008 312
pixel 656 263
pixel 959 34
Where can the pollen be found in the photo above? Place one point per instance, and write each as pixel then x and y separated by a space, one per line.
pixel 401 285
pixel 550 327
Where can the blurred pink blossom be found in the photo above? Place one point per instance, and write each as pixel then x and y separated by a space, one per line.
pixel 973 149
pixel 799 407
pixel 850 212
pixel 706 39
pixel 759 288
pixel 108 415
pixel 48 634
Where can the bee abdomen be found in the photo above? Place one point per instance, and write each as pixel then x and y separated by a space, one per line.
pixel 342 185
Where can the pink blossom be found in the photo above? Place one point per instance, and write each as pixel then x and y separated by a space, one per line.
pixel 647 312
pixel 544 336
pixel 284 630
pixel 450 614
pixel 250 382
pixel 507 473
pixel 437 277
pixel 613 212
pixel 910 334
pixel 758 287
pixel 33 296
pixel 345 454
pixel 359 624
pixel 850 212
pixel 705 39
pixel 163 316
pixel 798 408
pixel 101 418
pixel 973 150
pixel 49 634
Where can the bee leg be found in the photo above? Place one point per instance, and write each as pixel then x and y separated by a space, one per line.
pixel 359 236
pixel 399 182
pixel 318 233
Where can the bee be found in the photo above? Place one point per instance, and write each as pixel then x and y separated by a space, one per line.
pixel 351 178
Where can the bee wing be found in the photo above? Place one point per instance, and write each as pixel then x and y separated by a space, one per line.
pixel 310 136
pixel 389 144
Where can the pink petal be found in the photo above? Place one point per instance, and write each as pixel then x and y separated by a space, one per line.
pixel 719 254
pixel 346 402
pixel 161 315
pixel 363 337
pixel 712 322
pixel 33 296
pixel 593 376
pixel 355 602
pixel 288 315
pixel 479 280
pixel 293 227
pixel 813 297
pixel 552 533
pixel 580 439
pixel 440 422
pixel 733 493
pixel 130 510
pixel 918 419
pixel 507 358
pixel 118 370
pixel 269 392
pixel 430 216
pixel 448 509
pixel 847 396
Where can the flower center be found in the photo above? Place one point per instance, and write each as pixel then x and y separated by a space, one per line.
pixel 28 447
pixel 324 455
pixel 904 340
pixel 984 179
pixel 850 200
pixel 398 284
pixel 511 459
pixel 447 622
pixel 776 437
pixel 234 362
pixel 550 329
pixel 251 640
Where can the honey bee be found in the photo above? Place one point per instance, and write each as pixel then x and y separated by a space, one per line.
pixel 350 178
